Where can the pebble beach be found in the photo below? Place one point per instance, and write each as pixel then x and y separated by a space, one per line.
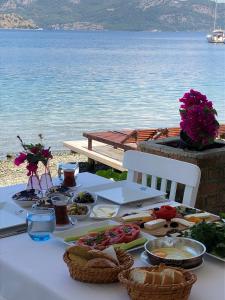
pixel 11 174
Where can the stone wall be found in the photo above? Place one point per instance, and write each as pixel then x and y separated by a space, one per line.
pixel 211 193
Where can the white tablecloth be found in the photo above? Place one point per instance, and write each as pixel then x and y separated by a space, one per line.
pixel 35 270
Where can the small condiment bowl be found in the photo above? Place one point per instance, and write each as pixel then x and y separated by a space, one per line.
pixel 80 217
pixel 195 248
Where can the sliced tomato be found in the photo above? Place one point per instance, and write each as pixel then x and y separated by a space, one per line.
pixel 94 241
pixel 116 235
pixel 131 232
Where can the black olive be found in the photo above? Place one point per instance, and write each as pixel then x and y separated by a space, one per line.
pixel 174 224
pixel 142 225
pixel 156 208
pixel 165 225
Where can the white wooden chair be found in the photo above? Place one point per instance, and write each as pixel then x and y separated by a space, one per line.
pixel 165 168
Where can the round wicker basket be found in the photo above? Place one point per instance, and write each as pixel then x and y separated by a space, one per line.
pixel 139 291
pixel 99 275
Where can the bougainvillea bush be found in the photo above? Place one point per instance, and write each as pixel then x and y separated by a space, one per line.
pixel 198 119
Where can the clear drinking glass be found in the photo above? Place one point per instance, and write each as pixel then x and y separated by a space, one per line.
pixel 67 166
pixel 40 223
pixel 60 205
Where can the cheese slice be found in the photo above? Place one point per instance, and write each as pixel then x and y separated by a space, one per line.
pixel 155 224
pixel 142 217
pixel 203 215
pixel 183 222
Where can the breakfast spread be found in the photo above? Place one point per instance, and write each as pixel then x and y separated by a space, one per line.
pixel 168 220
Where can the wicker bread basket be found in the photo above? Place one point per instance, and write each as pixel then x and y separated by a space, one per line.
pixel 139 291
pixel 98 275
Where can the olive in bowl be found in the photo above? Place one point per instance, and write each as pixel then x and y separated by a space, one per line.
pixel 84 198
pixel 77 211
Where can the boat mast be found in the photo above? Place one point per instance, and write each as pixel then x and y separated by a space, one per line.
pixel 215 15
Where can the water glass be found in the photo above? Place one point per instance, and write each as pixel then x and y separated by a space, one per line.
pixel 40 223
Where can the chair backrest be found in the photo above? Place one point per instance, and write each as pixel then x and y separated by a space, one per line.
pixel 167 169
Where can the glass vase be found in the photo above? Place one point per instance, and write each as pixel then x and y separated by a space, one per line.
pixel 34 182
pixel 46 180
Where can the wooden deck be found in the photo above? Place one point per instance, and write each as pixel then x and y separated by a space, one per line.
pixel 100 152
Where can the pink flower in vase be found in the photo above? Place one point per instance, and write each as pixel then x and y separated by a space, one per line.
pixel 20 159
pixel 32 169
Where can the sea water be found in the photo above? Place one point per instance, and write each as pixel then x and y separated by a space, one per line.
pixel 62 83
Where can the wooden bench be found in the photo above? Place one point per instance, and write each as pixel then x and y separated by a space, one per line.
pixel 128 139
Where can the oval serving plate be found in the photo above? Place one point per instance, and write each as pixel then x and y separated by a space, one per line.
pixel 27 198
pixel 59 190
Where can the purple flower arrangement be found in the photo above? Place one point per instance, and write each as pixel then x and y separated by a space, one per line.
pixel 33 154
pixel 198 119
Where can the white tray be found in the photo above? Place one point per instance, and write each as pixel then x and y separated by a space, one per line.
pixel 81 230
pixel 123 192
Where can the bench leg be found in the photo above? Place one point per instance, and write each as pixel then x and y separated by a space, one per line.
pixel 89 144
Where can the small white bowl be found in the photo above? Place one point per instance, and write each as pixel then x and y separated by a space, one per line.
pixel 80 217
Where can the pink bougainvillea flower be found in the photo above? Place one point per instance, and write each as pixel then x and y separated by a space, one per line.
pixel 34 150
pixel 32 169
pixel 20 159
pixel 198 119
pixel 46 153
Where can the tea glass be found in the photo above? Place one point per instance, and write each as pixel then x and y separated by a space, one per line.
pixel 67 166
pixel 60 205
pixel 40 223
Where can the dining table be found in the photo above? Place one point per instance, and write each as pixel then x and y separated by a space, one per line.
pixel 31 270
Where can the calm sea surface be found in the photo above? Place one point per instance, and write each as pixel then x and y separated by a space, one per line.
pixel 63 83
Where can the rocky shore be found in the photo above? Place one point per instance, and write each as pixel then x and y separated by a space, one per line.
pixel 11 174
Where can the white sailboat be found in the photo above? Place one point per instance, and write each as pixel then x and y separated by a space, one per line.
pixel 217 35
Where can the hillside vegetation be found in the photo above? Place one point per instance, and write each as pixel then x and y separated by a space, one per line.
pixel 152 15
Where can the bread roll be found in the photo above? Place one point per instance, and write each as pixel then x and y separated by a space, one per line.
pixel 177 276
pixel 140 276
pixel 100 254
pixel 80 251
pixel 79 260
pixel 162 276
pixel 100 263
pixel 167 277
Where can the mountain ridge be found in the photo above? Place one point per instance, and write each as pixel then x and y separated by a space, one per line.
pixel 150 15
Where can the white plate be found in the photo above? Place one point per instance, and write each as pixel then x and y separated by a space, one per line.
pixel 11 215
pixel 25 199
pixel 144 259
pixel 82 230
pixel 98 214
pixel 123 192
